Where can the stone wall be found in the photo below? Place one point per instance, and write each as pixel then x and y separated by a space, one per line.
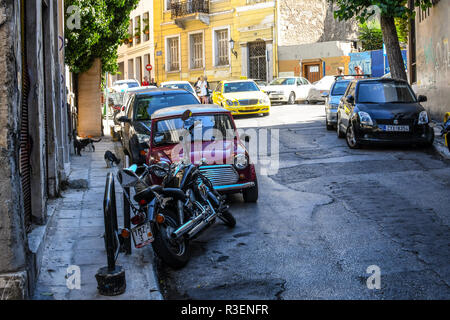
pixel 309 21
pixel 433 59
pixel 46 132
pixel 12 236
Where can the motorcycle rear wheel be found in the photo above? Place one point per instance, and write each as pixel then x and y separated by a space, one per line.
pixel 176 254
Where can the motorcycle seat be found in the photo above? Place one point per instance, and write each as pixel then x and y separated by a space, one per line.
pixel 177 194
pixel 147 194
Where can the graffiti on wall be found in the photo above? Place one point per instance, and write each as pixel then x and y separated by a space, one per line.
pixel 362 59
pixel 436 58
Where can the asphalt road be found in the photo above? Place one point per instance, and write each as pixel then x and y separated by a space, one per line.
pixel 326 216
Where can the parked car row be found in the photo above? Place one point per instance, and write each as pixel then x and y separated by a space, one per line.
pixel 377 110
pixel 151 128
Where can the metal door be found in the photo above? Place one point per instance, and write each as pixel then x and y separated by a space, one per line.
pixel 257 60
pixel 312 72
pixel 25 140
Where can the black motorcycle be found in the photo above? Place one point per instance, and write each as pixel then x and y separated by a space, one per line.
pixel 173 213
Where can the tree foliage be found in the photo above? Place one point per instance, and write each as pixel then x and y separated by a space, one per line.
pixel 364 9
pixel 103 26
pixel 371 36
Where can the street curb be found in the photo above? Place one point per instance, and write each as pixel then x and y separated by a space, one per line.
pixel 439 145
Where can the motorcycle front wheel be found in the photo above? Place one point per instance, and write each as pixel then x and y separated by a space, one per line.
pixel 228 219
pixel 175 253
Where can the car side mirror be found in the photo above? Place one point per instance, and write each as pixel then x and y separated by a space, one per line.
pixel 350 99
pixel 124 119
pixel 186 115
pixel 158 138
pixel 422 98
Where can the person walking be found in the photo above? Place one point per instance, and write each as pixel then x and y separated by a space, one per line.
pixel 145 83
pixel 197 86
pixel 203 90
pixel 359 72
pixel 340 73
pixel 208 96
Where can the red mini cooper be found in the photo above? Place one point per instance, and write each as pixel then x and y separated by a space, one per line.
pixel 214 145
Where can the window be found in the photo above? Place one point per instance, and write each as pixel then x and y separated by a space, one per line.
pixel 130 33
pixel 173 54
pixel 146 30
pixel 167 5
pixel 240 87
pixel 130 69
pixel 196 51
pixel 221 47
pixel 146 105
pixel 385 92
pixel 211 127
pixel 137 29
pixel 339 88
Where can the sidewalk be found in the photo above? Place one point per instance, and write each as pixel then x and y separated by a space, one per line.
pixel 439 144
pixel 75 237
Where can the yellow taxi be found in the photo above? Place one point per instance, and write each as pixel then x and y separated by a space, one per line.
pixel 241 97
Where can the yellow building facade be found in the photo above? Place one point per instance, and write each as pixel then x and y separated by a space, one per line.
pixel 220 39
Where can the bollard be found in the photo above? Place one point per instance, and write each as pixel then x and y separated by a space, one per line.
pixel 111 279
pixel 126 212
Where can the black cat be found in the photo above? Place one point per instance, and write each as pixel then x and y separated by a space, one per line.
pixel 80 144
pixel 110 159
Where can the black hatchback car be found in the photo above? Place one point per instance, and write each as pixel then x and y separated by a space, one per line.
pixel 382 111
pixel 137 121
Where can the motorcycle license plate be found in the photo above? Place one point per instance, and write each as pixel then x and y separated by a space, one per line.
pixel 395 128
pixel 142 235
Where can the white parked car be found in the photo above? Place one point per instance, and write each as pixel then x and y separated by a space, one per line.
pixel 186 85
pixel 124 85
pixel 288 89
pixel 319 88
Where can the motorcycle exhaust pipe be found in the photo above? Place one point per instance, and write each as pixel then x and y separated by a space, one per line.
pixel 201 226
pixel 186 227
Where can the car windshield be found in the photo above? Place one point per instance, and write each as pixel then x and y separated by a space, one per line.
pixel 132 85
pixel 240 87
pixel 385 92
pixel 339 88
pixel 283 82
pixel 146 105
pixel 206 128
pixel 184 86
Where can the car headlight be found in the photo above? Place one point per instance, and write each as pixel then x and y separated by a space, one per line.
pixel 231 103
pixel 240 161
pixel 423 117
pixel 264 100
pixel 143 138
pixel 365 118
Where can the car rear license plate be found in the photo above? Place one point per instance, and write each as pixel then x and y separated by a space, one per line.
pixel 391 128
pixel 142 235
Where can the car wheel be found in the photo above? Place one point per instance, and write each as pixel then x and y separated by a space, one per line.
pixel 340 135
pixel 329 126
pixel 350 137
pixel 291 98
pixel 251 194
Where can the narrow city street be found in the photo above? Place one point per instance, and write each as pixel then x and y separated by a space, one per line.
pixel 323 219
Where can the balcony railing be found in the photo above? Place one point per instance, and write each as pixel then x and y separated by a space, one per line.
pixel 186 7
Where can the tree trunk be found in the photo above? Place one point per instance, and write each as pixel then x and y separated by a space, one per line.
pixel 393 50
